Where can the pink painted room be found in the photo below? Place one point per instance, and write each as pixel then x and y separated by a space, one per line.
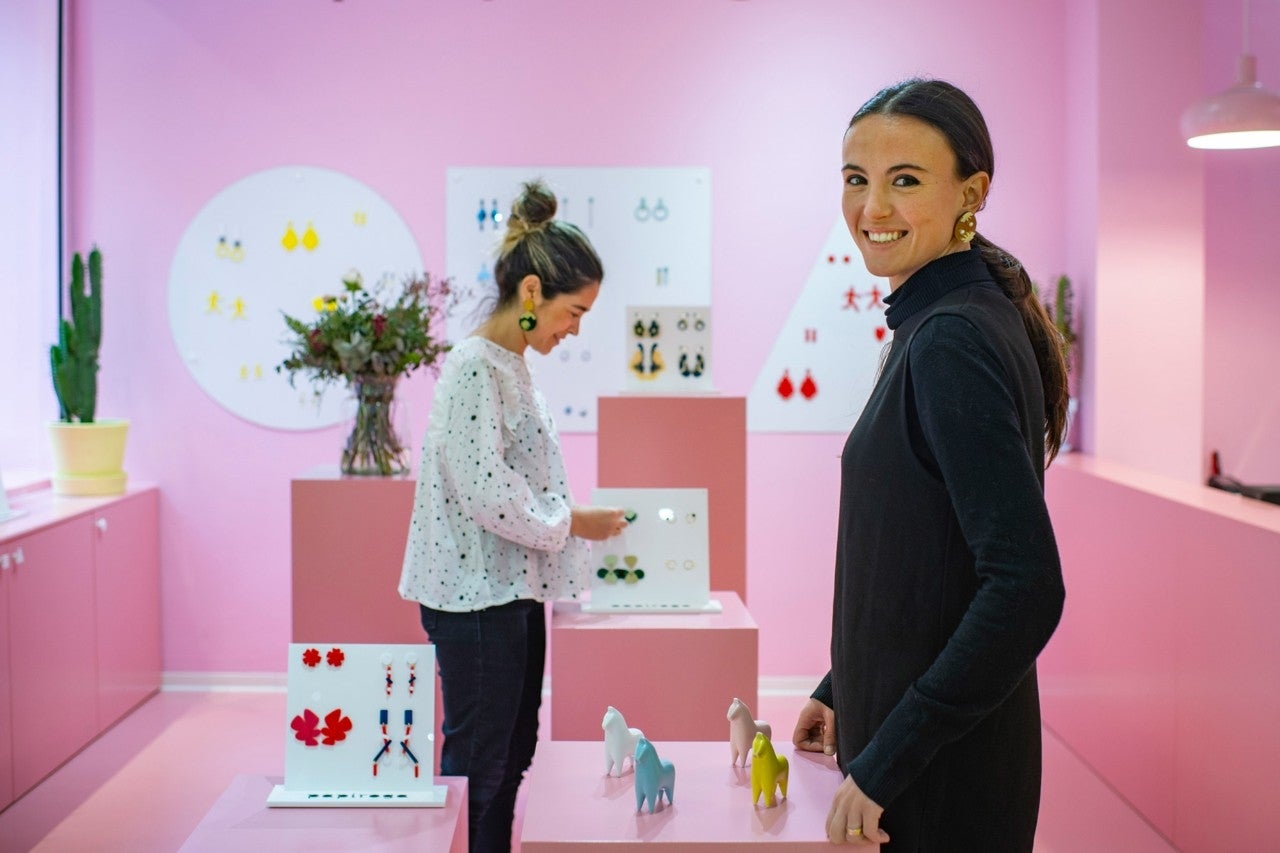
pixel 437 425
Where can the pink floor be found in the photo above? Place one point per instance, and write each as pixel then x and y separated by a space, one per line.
pixel 146 783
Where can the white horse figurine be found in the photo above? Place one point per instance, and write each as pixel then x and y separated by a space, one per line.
pixel 619 742
pixel 742 731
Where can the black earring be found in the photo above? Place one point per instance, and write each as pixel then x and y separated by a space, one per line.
pixel 653 328
pixel 639 328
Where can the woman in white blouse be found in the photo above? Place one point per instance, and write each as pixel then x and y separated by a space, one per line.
pixel 494 531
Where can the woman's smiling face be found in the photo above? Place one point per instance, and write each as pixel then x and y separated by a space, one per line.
pixel 902 196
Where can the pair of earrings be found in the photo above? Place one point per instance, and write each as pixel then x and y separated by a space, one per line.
pixel 691 368
pixel 640 328
pixel 306 727
pixel 404 744
pixel 698 323
pixel 612 573
pixel 233 251
pixel 647 370
pixel 309 238
pixel 411 661
pixel 808 388
pixel 334 657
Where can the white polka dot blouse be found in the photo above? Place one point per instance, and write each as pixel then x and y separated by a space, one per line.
pixel 492 506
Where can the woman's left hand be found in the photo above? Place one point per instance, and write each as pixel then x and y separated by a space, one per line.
pixel 854 818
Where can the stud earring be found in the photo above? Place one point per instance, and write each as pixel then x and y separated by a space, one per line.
pixel 683 323
pixel 528 320
pixel 638 328
pixel 653 328
pixel 966 227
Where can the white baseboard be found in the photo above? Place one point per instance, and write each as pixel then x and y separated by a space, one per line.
pixel 274 682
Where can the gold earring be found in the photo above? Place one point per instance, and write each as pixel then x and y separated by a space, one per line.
pixel 966 227
pixel 528 320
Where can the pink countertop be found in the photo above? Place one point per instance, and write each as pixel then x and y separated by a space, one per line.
pixel 42 508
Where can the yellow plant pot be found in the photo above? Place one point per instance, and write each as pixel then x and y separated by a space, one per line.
pixel 88 459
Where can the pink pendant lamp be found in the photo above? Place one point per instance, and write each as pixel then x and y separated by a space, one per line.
pixel 1244 116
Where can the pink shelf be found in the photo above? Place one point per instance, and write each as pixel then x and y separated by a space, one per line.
pixel 240 820
pixel 632 661
pixel 573 807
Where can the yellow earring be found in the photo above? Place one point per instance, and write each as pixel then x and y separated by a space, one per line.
pixel 528 320
pixel 966 227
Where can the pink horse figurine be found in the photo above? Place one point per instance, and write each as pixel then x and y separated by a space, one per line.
pixel 742 731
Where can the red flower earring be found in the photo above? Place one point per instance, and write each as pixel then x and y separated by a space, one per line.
pixel 311 657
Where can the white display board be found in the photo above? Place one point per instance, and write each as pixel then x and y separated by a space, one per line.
pixel 668 349
pixel 359 728
pixel 269 243
pixel 652 230
pixel 661 562
pixel 822 366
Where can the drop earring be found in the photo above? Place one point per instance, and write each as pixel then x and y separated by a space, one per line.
pixel 528 320
pixel 966 227
pixel 654 328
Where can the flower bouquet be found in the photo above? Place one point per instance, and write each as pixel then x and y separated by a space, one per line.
pixel 369 338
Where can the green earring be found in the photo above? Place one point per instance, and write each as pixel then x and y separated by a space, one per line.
pixel 528 320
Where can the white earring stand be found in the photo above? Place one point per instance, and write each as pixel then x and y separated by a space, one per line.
pixel 356 691
pixel 667 541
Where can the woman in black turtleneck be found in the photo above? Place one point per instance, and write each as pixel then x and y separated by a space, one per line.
pixel 948 583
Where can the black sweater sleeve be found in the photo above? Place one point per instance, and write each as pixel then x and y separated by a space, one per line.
pixel 968 417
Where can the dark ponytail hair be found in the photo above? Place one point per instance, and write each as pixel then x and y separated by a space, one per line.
pixel 535 243
pixel 954 114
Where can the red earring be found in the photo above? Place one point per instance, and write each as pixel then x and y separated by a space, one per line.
pixel 335 657
pixel 311 657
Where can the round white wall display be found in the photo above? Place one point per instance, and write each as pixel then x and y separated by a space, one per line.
pixel 269 244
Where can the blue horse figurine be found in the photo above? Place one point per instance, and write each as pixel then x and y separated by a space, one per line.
pixel 653 776
pixel 768 771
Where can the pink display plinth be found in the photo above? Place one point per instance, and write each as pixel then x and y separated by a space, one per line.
pixel 653 442
pixel 240 820
pixel 349 535
pixel 672 675
pixel 573 807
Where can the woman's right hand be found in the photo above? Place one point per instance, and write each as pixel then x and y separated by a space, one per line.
pixel 815 729
pixel 596 522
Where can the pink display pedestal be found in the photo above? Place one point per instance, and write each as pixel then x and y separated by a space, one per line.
pixel 650 442
pixel 348 536
pixel 240 820
pixel 573 807
pixel 673 675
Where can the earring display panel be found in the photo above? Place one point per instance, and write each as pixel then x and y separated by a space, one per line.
pixel 660 563
pixel 669 349
pixel 271 243
pixel 359 728
pixel 820 371
pixel 652 230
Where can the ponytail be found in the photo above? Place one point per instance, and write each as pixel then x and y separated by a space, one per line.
pixel 1046 341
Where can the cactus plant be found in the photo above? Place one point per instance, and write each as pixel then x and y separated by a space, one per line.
pixel 74 359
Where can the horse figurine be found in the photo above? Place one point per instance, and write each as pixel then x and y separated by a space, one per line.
pixel 619 742
pixel 742 730
pixel 653 776
pixel 768 769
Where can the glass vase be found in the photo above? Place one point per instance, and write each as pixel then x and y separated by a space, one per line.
pixel 373 448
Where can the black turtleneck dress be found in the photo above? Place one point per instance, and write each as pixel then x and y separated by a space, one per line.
pixel 948 582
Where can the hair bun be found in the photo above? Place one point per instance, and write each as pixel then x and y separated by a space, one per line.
pixel 535 206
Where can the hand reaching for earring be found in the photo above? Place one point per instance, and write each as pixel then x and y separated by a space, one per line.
pixel 596 522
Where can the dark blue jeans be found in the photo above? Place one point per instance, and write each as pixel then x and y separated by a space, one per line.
pixel 491 663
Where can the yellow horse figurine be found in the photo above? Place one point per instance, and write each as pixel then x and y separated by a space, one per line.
pixel 768 770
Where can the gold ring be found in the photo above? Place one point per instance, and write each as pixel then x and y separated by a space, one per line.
pixel 853 831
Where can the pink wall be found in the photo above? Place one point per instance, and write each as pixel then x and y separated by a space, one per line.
pixel 28 230
pixel 1148 312
pixel 1242 258
pixel 172 102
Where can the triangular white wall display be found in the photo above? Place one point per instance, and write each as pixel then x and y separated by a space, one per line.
pixel 820 371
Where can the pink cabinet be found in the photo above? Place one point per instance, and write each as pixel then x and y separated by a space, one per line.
pixel 53 667
pixel 6 679
pixel 80 636
pixel 126 563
